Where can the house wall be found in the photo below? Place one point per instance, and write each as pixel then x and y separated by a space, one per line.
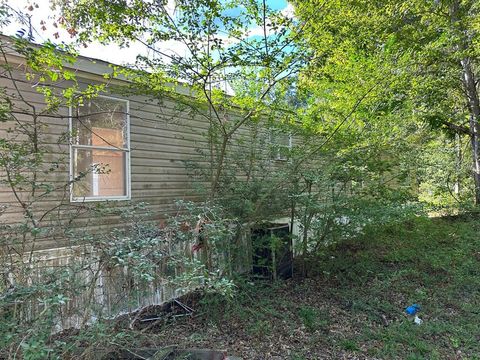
pixel 162 138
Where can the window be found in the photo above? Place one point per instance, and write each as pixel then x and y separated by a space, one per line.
pixel 100 150
pixel 281 144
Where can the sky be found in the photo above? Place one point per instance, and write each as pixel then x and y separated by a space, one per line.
pixel 110 53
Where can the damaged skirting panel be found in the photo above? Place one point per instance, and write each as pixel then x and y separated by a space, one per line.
pixel 109 292
pixel 102 292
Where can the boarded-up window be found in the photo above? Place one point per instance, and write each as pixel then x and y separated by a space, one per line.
pixel 100 150
pixel 281 144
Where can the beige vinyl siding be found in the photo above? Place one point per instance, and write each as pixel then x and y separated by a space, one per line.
pixel 162 138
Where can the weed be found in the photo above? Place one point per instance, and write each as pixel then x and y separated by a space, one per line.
pixel 349 345
pixel 313 319
pixel 260 328
pixel 298 357
pixel 308 315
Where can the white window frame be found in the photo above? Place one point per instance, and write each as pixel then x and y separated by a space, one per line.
pixel 127 152
pixel 277 155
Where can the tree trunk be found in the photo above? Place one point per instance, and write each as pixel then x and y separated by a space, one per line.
pixel 475 140
pixel 458 163
pixel 474 108
pixel 470 87
pixel 219 168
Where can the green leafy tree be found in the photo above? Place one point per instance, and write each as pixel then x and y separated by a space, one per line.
pixel 41 292
pixel 426 51
pixel 217 49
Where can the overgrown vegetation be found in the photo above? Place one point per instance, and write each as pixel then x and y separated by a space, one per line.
pixel 349 122
pixel 353 304
pixel 90 275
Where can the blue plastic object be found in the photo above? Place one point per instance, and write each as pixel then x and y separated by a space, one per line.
pixel 412 309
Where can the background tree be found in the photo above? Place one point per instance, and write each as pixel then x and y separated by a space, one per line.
pixel 425 50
